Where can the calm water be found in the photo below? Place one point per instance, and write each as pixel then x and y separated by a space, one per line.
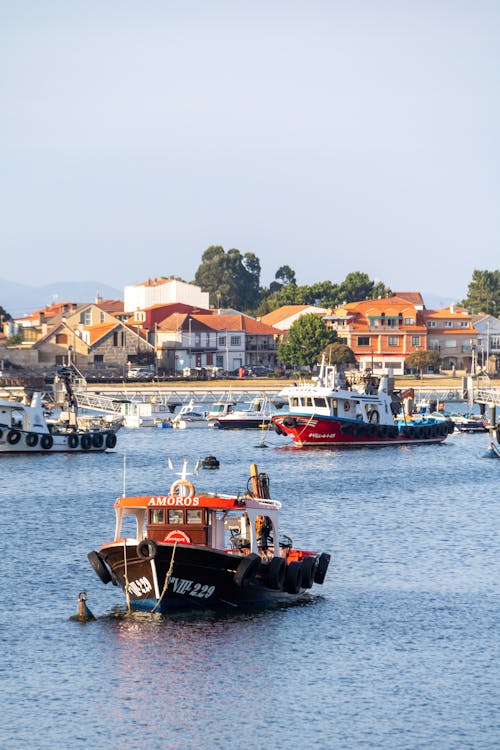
pixel 399 648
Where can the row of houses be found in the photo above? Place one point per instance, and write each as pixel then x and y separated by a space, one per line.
pixel 169 326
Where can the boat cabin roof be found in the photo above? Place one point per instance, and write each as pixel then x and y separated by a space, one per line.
pixel 214 502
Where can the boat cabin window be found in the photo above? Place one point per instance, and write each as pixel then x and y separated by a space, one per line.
pixel 294 401
pixel 307 401
pixel 333 405
pixel 175 516
pixel 321 402
pixel 194 515
pixel 157 515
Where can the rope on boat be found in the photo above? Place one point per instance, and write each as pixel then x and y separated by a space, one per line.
pixel 167 579
pixel 306 425
pixel 127 594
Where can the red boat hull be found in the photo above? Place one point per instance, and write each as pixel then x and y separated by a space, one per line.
pixel 317 430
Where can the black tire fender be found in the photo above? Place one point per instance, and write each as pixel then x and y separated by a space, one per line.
pixel 323 563
pixel 293 579
pixel 247 569
pixel 99 566
pixel 276 572
pixel 31 439
pixel 13 437
pixel 147 550
pixel 86 442
pixel 47 441
pixel 309 565
pixel 97 439
pixel 110 440
pixel 73 440
pixel 290 422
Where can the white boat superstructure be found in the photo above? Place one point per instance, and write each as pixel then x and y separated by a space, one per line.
pixel 189 417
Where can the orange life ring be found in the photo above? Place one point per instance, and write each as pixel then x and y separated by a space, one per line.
pixel 182 483
pixel 177 535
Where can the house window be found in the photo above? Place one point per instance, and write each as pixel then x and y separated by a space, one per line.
pixel 219 360
pixel 363 341
pixel 448 324
pixel 222 341
pixel 464 324
pixel 101 317
pixel 409 321
pixel 86 318
pixel 431 324
pixel 235 340
pixel 415 340
pixel 393 340
pixel 115 338
pixel 98 359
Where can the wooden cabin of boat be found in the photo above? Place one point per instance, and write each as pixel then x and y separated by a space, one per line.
pixel 237 525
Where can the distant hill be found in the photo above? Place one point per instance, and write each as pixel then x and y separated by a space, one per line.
pixel 21 299
pixel 437 301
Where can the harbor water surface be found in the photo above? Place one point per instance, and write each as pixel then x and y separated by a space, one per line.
pixel 398 649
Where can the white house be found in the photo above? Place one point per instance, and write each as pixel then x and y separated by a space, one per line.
pixel 161 292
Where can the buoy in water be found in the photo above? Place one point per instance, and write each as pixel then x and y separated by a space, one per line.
pixel 210 462
pixel 83 613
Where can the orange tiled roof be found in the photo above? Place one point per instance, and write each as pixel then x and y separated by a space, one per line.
pixel 98 331
pixel 284 312
pixel 238 323
pixel 154 282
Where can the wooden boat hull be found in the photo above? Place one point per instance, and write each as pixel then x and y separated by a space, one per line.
pixel 319 430
pixel 199 577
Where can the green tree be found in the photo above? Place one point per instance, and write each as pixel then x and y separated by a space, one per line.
pixel 231 279
pixel 4 315
pixel 483 294
pixel 339 354
pixel 358 286
pixel 426 358
pixel 305 341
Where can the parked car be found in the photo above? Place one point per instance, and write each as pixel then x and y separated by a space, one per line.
pixel 140 373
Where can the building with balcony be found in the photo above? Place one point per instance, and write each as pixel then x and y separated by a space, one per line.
pixel 382 332
pixel 227 341
pixel 451 332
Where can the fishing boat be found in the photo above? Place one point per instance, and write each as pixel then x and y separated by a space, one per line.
pixel 24 428
pixel 189 417
pixel 352 409
pixel 194 549
pixel 257 415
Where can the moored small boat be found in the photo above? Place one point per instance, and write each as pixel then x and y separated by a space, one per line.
pixel 257 415
pixel 199 550
pixel 189 417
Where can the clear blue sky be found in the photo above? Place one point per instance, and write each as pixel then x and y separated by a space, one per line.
pixel 332 136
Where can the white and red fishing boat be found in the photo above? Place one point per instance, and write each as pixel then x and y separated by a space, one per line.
pixel 194 549
pixel 352 409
